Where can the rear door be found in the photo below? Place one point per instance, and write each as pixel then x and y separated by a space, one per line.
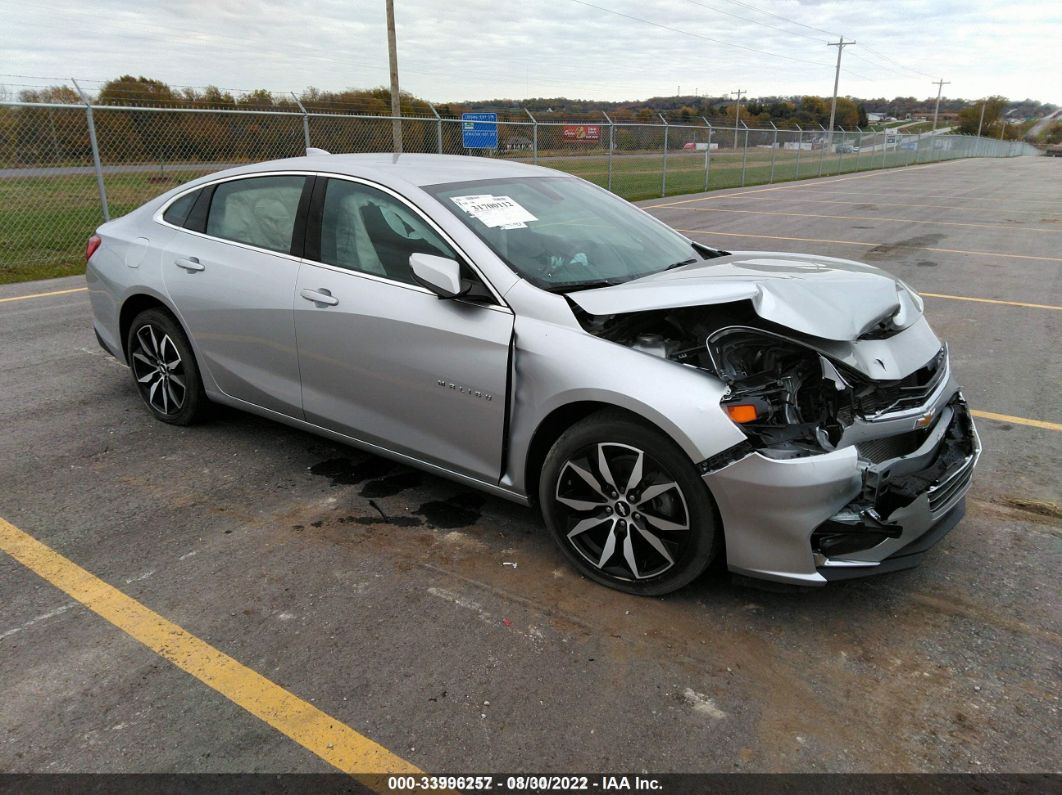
pixel 385 360
pixel 231 272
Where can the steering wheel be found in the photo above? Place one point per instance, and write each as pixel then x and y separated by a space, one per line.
pixel 578 260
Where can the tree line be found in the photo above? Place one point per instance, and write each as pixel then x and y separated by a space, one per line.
pixel 59 135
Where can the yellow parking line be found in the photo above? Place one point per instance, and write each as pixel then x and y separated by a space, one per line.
pixel 316 731
pixel 991 415
pixel 990 301
pixel 714 232
pixel 1011 227
pixel 43 295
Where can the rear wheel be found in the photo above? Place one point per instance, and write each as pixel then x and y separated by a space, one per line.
pixel 627 507
pixel 164 368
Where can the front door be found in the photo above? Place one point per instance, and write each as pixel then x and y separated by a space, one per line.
pixel 385 360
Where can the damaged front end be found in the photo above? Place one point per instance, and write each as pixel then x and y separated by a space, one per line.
pixel 906 503
pixel 858 453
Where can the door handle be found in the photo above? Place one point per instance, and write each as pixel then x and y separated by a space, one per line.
pixel 319 297
pixel 189 264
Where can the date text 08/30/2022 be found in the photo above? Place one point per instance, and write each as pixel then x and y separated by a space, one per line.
pixel 524 783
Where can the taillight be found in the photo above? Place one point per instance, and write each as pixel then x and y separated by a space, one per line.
pixel 91 246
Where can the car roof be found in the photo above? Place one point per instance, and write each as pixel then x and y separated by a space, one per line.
pixel 412 169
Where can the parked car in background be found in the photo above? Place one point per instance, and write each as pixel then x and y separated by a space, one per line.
pixel 524 332
pixel 1055 150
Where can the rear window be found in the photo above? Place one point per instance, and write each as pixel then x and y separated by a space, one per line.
pixel 177 212
pixel 259 211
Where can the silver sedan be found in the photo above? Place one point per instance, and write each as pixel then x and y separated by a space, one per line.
pixel 529 334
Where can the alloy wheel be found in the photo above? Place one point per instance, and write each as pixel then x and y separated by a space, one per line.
pixel 623 513
pixel 159 370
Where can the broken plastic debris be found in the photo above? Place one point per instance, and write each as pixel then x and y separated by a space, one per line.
pixel 509 563
pixel 507 621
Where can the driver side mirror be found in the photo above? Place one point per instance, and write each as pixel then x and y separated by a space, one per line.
pixel 441 275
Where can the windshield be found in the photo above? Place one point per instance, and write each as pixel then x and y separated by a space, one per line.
pixel 563 234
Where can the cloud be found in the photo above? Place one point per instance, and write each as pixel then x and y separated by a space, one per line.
pixel 493 48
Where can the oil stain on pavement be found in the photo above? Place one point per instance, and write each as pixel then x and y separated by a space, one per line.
pixel 383 478
pixel 347 472
pixel 461 510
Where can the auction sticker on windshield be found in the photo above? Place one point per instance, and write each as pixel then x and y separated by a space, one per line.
pixel 497 212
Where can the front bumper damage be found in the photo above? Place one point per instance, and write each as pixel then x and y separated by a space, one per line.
pixel 851 512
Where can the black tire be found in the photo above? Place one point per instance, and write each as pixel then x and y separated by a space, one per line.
pixel 582 517
pixel 164 368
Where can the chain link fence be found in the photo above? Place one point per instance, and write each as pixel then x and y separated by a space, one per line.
pixel 66 168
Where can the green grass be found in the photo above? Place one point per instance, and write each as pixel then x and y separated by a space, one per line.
pixel 45 221
pixel 642 178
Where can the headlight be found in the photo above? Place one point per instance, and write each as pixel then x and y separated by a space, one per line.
pixel 911 305
pixel 780 392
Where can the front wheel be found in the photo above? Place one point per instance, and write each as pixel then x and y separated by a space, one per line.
pixel 627 507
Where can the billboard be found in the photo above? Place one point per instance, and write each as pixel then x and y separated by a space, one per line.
pixel 582 133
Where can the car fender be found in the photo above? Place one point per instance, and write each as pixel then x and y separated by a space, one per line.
pixel 553 363
pixel 209 385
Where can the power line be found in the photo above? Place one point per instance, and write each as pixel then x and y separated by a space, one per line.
pixel 886 58
pixel 787 19
pixel 828 33
pixel 717 41
pixel 755 21
pixel 695 35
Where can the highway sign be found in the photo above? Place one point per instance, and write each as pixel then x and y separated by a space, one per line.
pixel 479 130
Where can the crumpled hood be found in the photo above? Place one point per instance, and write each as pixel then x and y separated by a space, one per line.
pixel 825 297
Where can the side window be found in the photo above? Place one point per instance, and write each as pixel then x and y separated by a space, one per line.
pixel 259 211
pixel 364 229
pixel 177 213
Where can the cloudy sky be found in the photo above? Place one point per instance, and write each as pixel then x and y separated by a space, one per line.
pixel 597 49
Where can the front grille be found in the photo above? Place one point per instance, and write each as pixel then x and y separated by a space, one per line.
pixel 878 450
pixel 874 399
pixel 945 493
pixel 944 480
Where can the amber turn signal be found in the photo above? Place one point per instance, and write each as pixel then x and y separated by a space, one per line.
pixel 741 412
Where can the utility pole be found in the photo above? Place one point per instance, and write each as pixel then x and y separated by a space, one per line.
pixel 737 112
pixel 840 45
pixel 982 121
pixel 396 101
pixel 740 92
pixel 940 87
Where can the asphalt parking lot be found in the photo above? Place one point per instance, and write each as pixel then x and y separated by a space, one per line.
pixel 443 626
